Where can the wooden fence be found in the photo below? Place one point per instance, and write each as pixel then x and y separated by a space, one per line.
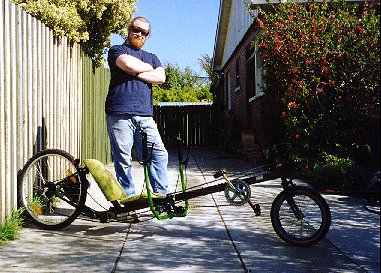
pixel 49 98
pixel 191 121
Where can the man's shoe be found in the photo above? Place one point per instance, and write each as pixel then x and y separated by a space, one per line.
pixel 130 198
pixel 143 195
pixel 159 195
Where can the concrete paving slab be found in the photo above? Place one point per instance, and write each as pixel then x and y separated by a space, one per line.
pixel 337 253
pixel 355 231
pixel 179 245
pixel 263 251
pixel 196 243
pixel 214 237
pixel 83 247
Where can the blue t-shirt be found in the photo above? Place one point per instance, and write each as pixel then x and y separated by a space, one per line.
pixel 128 94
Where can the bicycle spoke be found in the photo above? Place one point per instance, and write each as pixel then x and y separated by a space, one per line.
pixel 298 227
pixel 51 189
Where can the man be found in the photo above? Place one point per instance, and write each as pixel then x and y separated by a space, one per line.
pixel 129 108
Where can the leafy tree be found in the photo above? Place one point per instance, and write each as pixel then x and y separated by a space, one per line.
pixel 181 86
pixel 323 61
pixel 87 22
pixel 206 63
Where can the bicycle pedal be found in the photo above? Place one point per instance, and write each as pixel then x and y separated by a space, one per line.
pixel 104 218
pixel 127 217
pixel 257 210
pixel 219 173
pixel 161 209
pixel 179 211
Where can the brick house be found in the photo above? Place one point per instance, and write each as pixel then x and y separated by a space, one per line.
pixel 243 110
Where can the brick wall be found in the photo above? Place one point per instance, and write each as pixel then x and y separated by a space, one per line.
pixel 259 117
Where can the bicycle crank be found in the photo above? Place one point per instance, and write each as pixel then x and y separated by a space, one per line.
pixel 237 192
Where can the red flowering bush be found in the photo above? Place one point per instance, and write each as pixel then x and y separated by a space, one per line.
pixel 322 60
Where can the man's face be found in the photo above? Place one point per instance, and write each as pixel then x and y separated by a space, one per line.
pixel 137 33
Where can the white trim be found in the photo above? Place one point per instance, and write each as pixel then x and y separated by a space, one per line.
pixel 255 97
pixel 259 73
pixel 180 103
pixel 228 90
pixel 237 89
pixel 252 54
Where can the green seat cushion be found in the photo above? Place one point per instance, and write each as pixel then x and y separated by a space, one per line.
pixel 105 180
pixel 142 195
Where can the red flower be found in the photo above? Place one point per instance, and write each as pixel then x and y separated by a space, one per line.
pixel 314 26
pixel 359 29
pixel 259 24
pixel 279 25
pixel 325 71
pixel 292 105
pixel 294 71
pixel 323 62
pixel 277 41
pixel 308 61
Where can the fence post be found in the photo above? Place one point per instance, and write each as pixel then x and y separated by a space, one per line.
pixel 2 121
pixel 47 89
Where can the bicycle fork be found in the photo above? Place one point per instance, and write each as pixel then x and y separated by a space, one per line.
pixel 289 188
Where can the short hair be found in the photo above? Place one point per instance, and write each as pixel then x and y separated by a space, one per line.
pixel 143 19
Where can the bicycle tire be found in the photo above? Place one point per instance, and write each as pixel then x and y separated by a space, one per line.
pixel 319 206
pixel 69 194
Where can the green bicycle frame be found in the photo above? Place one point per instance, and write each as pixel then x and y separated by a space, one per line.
pixel 184 182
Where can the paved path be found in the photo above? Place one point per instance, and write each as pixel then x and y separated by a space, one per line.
pixel 214 237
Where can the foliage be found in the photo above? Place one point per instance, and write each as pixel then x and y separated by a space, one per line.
pixel 339 164
pixel 36 204
pixel 90 23
pixel 331 170
pixel 322 59
pixel 206 63
pixel 181 86
pixel 12 225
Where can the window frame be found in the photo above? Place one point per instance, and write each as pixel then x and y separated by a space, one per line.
pixel 255 74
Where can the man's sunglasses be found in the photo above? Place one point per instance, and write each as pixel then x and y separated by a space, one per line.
pixel 137 30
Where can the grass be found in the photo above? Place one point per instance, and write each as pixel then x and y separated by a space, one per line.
pixel 12 226
pixel 35 204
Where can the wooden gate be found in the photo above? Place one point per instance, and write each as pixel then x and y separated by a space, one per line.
pixel 190 121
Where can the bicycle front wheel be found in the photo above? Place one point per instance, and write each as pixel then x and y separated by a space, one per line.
pixel 300 216
pixel 51 190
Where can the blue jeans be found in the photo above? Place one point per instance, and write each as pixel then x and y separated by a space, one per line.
pixel 124 131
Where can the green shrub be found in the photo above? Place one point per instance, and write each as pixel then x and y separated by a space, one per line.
pixel 322 61
pixel 331 170
pixel 11 227
pixel 89 23
pixel 181 85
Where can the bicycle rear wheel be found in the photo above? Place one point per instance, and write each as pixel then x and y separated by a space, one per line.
pixel 300 216
pixel 51 190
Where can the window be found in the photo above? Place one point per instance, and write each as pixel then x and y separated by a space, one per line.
pixel 250 77
pixel 254 79
pixel 237 75
pixel 259 72
pixel 227 92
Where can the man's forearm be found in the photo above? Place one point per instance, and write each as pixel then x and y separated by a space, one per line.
pixel 156 76
pixel 132 65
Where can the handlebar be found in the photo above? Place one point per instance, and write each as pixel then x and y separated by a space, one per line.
pixel 183 156
pixel 180 151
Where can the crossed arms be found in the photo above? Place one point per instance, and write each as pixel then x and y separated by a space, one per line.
pixel 141 70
